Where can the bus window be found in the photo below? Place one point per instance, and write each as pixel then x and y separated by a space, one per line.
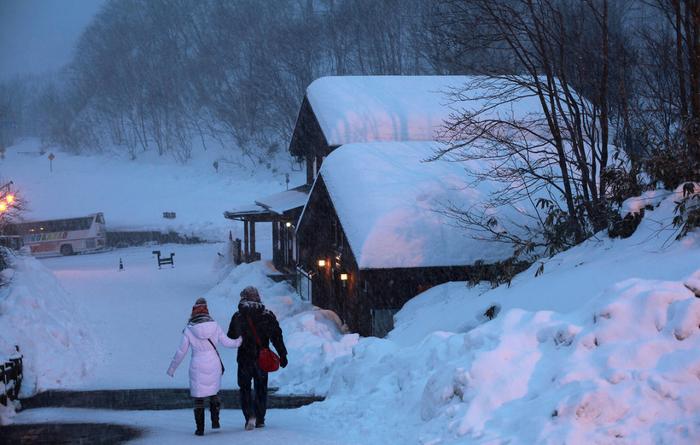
pixel 64 236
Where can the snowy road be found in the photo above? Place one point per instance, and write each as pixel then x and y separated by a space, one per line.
pixel 136 316
pixel 289 427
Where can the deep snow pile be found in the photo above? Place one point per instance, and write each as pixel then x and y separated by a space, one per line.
pixel 39 316
pixel 603 347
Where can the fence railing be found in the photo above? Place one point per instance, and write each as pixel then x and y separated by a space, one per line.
pixel 11 378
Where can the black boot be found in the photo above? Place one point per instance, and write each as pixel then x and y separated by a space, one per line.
pixel 199 420
pixel 214 407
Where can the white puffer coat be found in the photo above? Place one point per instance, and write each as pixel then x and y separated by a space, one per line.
pixel 205 368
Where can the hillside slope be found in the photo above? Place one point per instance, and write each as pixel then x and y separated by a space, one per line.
pixel 134 194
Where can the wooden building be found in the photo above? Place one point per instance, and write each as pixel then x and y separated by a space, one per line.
pixel 371 236
pixel 340 110
pixel 282 211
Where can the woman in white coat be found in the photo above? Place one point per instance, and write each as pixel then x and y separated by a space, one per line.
pixel 202 334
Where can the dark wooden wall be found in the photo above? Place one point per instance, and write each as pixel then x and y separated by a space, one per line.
pixel 284 241
pixel 308 141
pixel 320 236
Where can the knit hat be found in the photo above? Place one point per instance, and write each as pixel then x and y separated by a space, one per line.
pixel 250 293
pixel 200 307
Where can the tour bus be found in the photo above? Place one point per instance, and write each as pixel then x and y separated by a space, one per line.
pixel 64 236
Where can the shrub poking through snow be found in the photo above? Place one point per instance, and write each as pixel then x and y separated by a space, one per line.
pixel 687 208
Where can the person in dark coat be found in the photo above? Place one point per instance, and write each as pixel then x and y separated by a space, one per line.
pixel 252 311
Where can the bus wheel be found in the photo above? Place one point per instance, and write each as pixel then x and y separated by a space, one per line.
pixel 66 249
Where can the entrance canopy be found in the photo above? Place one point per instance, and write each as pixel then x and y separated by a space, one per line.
pixel 281 209
pixel 272 207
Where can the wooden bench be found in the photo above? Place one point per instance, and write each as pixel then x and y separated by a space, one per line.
pixel 165 260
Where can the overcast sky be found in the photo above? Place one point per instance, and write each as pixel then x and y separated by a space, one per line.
pixel 37 36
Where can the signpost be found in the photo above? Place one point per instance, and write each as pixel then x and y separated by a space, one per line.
pixel 51 158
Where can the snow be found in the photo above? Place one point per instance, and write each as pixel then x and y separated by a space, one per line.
pixel 291 427
pixel 602 347
pixel 137 315
pixel 131 321
pixel 39 316
pixel 651 198
pixel 353 109
pixel 134 194
pixel 391 212
pixel 283 201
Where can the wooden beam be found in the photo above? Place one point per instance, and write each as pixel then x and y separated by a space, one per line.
pixel 275 242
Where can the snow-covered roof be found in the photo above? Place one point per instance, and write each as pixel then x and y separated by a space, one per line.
pixel 354 109
pixel 284 201
pixel 388 202
pixel 276 203
pixel 244 210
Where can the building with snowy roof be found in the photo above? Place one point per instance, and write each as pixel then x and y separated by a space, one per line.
pixel 340 110
pixel 372 241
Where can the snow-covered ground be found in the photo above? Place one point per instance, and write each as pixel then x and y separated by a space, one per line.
pixel 137 315
pixel 132 320
pixel 289 427
pixel 134 194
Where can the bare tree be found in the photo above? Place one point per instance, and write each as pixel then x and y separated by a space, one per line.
pixel 556 156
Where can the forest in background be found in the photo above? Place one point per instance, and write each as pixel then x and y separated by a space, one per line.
pixel 619 83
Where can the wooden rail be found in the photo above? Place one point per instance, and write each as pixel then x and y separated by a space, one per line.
pixel 11 378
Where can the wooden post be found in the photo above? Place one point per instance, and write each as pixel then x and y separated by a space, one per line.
pixel 252 237
pixel 291 243
pixel 275 243
pixel 246 252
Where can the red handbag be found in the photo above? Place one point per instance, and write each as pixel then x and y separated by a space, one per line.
pixel 267 360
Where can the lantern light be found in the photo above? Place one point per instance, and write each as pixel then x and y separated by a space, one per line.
pixel 3 206
pixel 321 263
pixel 288 224
pixel 10 198
pixel 343 277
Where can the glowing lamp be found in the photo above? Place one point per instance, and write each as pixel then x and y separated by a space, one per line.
pixel 288 224
pixel 10 199
pixel 321 263
pixel 343 277
pixel 3 206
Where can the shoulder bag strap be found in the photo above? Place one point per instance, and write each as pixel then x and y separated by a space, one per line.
pixel 255 333
pixel 217 354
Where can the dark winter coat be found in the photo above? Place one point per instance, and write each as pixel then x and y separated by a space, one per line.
pixel 266 325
